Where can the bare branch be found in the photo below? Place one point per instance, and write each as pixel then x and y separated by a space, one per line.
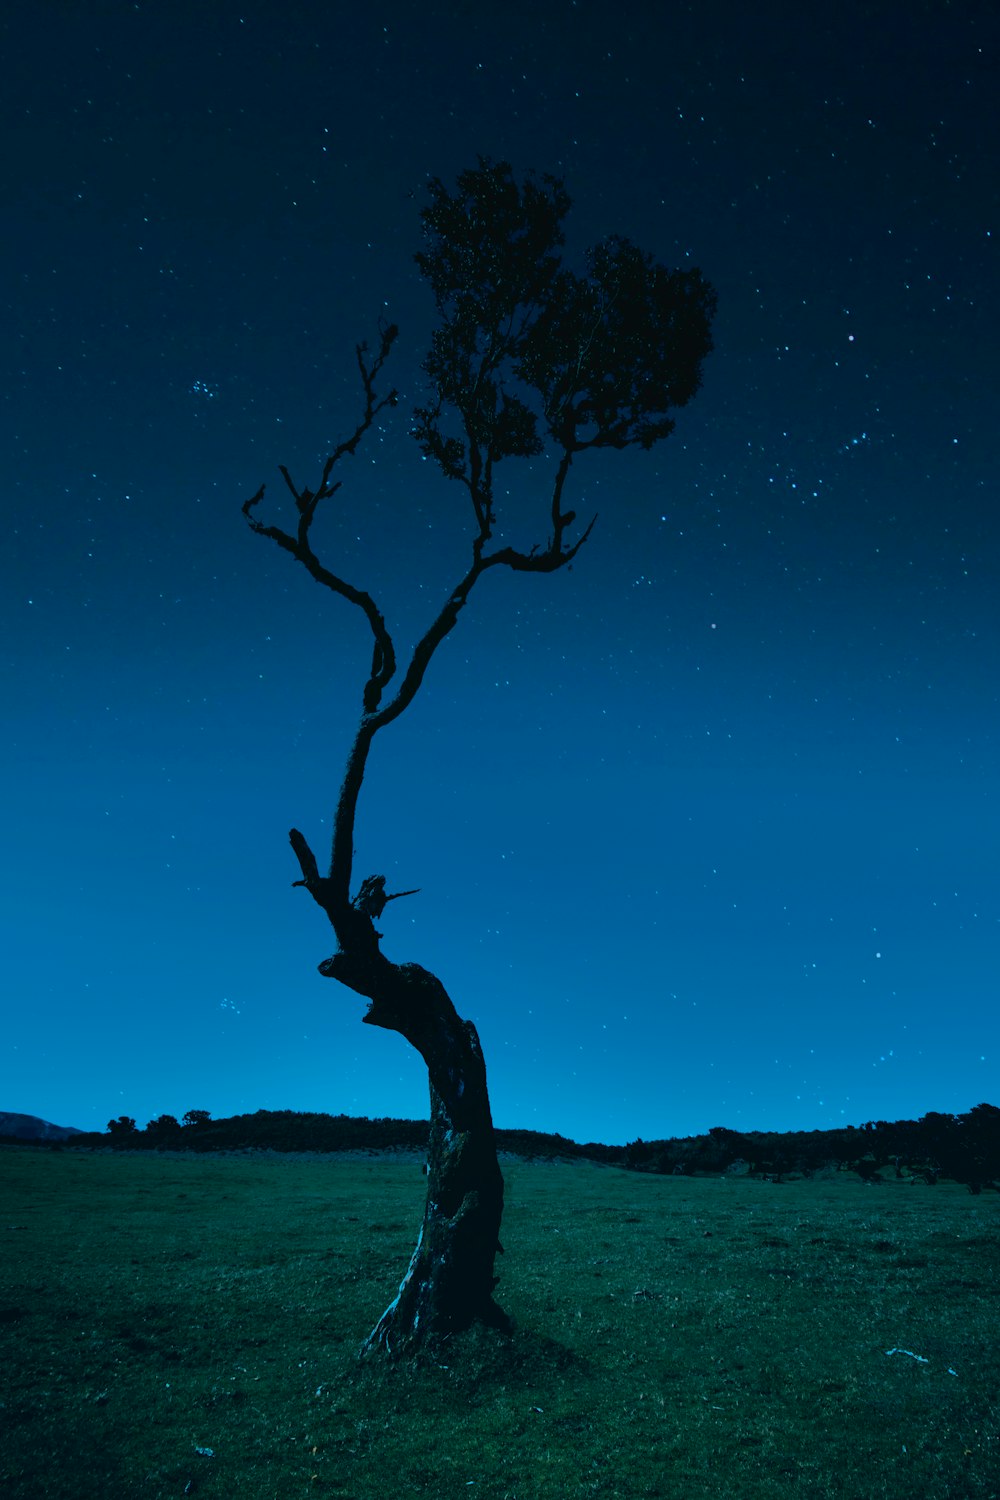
pixel 372 898
pixel 299 546
pixel 306 859
pixel 556 554
pixel 288 480
pixel 425 648
pixel 369 375
pixel 554 557
pixel 548 561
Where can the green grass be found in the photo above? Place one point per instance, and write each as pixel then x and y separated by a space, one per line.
pixel 676 1338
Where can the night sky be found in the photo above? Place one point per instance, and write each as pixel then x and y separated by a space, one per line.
pixel 706 826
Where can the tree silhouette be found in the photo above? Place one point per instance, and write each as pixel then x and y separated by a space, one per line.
pixel 526 357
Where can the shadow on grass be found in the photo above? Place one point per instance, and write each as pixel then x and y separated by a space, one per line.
pixel 478 1362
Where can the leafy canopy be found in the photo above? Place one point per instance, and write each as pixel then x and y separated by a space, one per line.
pixel 600 360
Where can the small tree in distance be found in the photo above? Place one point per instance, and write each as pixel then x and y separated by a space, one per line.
pixel 526 357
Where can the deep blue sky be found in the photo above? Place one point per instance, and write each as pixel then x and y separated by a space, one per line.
pixel 705 828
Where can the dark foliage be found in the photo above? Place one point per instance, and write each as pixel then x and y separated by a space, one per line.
pixel 296 1130
pixel 965 1148
pixel 600 359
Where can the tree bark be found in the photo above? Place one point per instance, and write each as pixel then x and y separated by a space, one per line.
pixel 450 1280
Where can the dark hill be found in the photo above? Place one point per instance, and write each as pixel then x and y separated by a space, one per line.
pixel 31 1128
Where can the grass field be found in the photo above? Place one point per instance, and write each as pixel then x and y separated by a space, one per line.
pixel 190 1326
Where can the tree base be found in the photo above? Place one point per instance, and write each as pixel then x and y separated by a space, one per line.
pixel 449 1283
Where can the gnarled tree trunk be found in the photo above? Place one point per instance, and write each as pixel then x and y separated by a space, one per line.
pixel 450 1280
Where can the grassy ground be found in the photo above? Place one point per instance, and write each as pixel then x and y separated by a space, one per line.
pixel 190 1326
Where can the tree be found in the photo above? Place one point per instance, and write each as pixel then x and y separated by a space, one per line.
pixel 123 1126
pixel 196 1117
pixel 527 357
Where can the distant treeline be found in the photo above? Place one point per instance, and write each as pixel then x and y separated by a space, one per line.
pixel 964 1148
pixel 292 1130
